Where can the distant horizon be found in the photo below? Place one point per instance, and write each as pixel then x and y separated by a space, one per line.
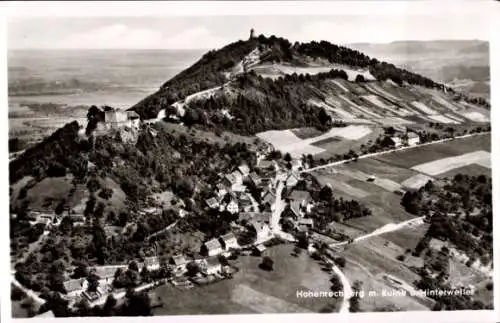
pixel 210 48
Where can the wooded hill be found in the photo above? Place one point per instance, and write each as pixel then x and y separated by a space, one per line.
pixel 215 67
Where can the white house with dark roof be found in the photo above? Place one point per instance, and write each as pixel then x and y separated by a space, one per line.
pixel 254 178
pixel 212 203
pixel 152 263
pixel 221 190
pixel 413 138
pixel 238 177
pixel 292 179
pixel 75 287
pixel 303 197
pixel 244 170
pixel 179 262
pixel 308 222
pixel 228 241
pixel 296 165
pixel 261 229
pixel 212 247
pixel 210 266
pixel 266 165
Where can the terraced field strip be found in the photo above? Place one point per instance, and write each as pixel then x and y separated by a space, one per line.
pixel 443 165
pixel 443 102
pixel 423 109
pixel 359 108
pixel 340 85
pixel 442 119
pixel 382 92
pixel 375 100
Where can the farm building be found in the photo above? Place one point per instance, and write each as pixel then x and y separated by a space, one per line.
pixel 221 190
pixel 210 266
pixel 268 198
pixel 244 170
pixel 259 250
pixel 232 207
pixel 179 262
pixel 261 229
pixel 254 178
pixel 228 241
pixel 296 208
pixel 296 165
pixel 268 165
pixel 152 263
pixel 75 287
pixel 292 180
pixel 211 247
pixel 397 142
pixel 306 222
pixel 212 202
pixel 303 197
pixel 413 139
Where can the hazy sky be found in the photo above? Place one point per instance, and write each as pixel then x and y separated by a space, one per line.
pixel 215 31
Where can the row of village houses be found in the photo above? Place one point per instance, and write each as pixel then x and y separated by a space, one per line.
pixel 231 193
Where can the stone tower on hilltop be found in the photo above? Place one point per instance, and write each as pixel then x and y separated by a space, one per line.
pixel 252 33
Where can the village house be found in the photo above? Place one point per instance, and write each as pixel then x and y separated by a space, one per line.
pixel 75 287
pixel 178 262
pixel 92 296
pixel 268 198
pixel 259 250
pixel 396 142
pixel 228 241
pixel 244 217
pixel 304 197
pixel 254 178
pixel 296 208
pixel 221 190
pixel 212 203
pixel 238 177
pixel 296 165
pixel 413 139
pixel 210 266
pixel 152 263
pixel 246 204
pixel 261 229
pixel 211 247
pixel 78 219
pixel 267 165
pixel 308 222
pixel 244 170
pixel 266 183
pixel 107 272
pixel 292 180
pixel 232 207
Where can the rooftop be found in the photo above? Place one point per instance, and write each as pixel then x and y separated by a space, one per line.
pixel 213 244
pixel 300 195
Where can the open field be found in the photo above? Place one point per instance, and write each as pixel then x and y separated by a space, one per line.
pixel 471 169
pixel 253 290
pixel 444 165
pixel 355 270
pixel 287 141
pixel 423 154
pixel 406 238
